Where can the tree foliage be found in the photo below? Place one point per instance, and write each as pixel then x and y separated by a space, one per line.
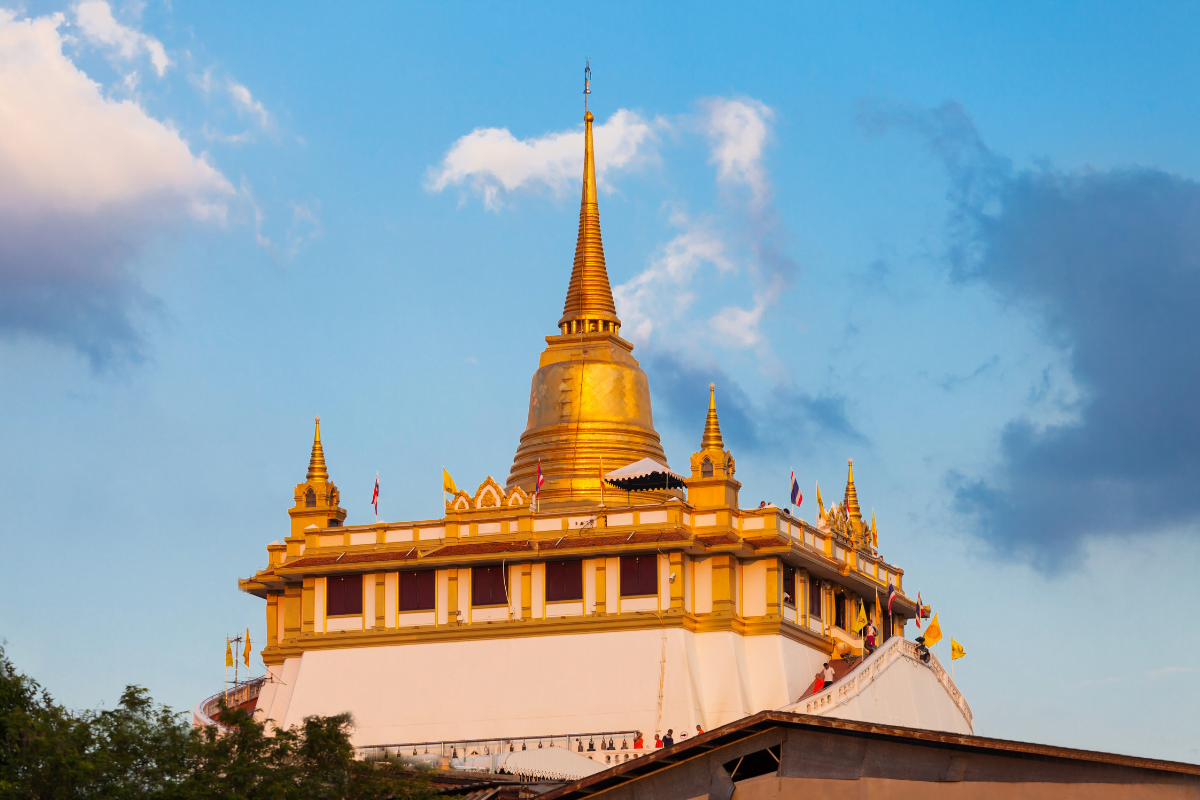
pixel 142 749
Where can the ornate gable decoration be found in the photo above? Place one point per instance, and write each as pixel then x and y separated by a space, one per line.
pixel 489 494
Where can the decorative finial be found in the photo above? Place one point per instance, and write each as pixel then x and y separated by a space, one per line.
pixel 587 83
pixel 316 462
pixel 852 509
pixel 712 428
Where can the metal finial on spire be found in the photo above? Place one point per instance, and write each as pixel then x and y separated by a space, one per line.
pixel 587 81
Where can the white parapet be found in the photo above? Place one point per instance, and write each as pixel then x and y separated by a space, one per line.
pixel 894 686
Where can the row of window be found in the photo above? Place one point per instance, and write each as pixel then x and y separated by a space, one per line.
pixel 489 587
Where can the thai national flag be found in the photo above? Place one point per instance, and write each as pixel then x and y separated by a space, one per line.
pixel 540 478
pixel 891 596
pixel 797 498
pixel 375 495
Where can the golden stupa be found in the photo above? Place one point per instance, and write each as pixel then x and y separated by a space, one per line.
pixel 589 405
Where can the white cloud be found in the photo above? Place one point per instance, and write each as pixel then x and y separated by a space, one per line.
pixel 738 131
pixel 661 293
pixel 246 103
pixel 739 326
pixel 87 180
pixel 492 160
pixel 97 24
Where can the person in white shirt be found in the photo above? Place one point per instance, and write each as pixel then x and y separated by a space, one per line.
pixel 828 674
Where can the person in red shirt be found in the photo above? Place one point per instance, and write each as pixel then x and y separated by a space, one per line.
pixel 657 741
pixel 699 730
pixel 819 684
pixel 637 742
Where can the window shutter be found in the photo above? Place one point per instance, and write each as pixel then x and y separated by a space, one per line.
pixel 649 570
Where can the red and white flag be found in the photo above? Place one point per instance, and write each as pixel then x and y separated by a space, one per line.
pixel 540 478
pixel 375 496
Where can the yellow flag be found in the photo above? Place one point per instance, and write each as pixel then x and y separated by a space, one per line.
pixel 956 649
pixel 246 655
pixel 448 483
pixel 861 621
pixel 933 634
pixel 228 653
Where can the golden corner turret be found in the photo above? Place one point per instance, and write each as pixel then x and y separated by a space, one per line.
pixel 589 403
pixel 317 498
pixel 712 483
pixel 847 519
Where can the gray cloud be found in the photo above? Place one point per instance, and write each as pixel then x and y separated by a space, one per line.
pixel 1109 262
pixel 87 182
pixel 792 421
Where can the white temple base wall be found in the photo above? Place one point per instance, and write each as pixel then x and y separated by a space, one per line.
pixel 553 685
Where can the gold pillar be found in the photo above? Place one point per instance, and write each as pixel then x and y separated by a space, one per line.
pixel 273 619
pixel 602 587
pixel 676 569
pixel 526 591
pixel 774 589
pixel 292 611
pixel 451 596
pixel 380 597
pixel 724 585
pixel 307 605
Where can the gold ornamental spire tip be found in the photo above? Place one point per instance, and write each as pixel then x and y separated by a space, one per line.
pixel 852 509
pixel 589 304
pixel 712 427
pixel 316 462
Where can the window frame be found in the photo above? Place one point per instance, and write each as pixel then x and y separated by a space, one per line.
pixel 423 583
pixel 789 571
pixel 566 581
pixel 495 579
pixel 636 578
pixel 338 588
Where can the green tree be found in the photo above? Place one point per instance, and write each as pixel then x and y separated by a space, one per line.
pixel 142 749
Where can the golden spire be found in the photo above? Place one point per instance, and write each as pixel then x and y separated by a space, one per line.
pixel 712 429
pixel 589 295
pixel 316 462
pixel 852 509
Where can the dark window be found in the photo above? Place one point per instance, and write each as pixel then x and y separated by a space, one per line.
pixel 418 590
pixel 814 598
pixel 639 575
pixel 839 610
pixel 706 468
pixel 751 765
pixel 564 580
pixel 789 585
pixel 310 498
pixel 335 523
pixel 343 595
pixel 487 586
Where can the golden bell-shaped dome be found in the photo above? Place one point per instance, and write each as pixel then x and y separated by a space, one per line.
pixel 589 404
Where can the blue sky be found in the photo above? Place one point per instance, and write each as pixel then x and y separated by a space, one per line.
pixel 954 242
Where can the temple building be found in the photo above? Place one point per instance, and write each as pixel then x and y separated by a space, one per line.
pixel 590 607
